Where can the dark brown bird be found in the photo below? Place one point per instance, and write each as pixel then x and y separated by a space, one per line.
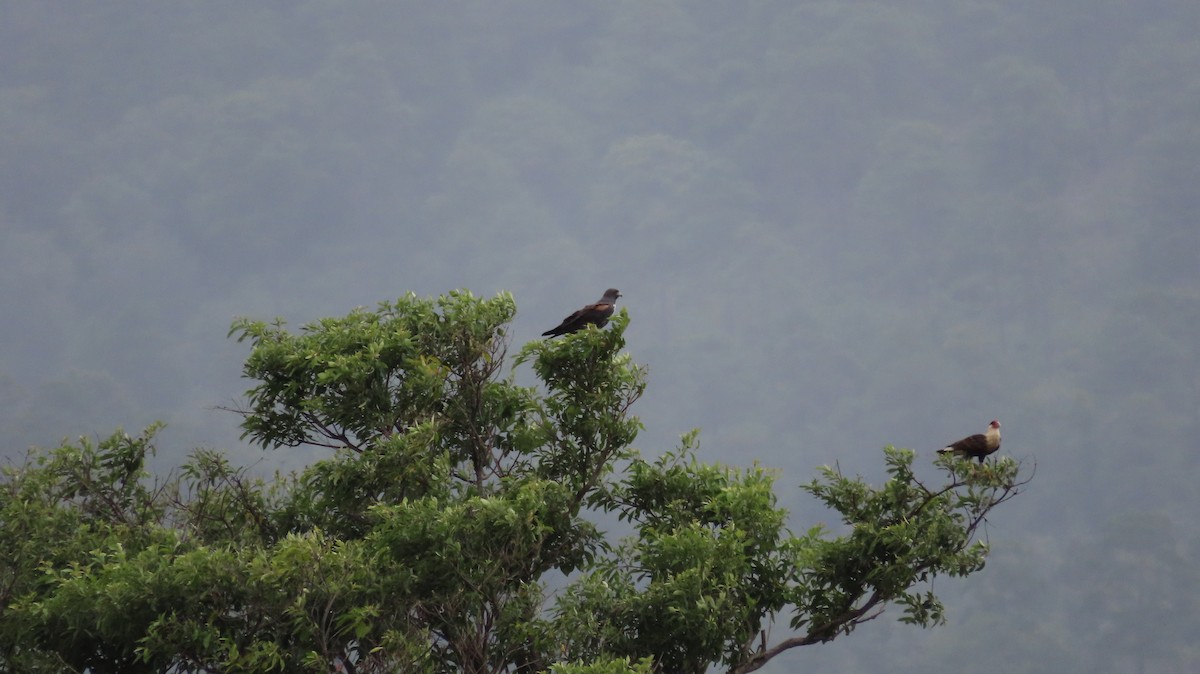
pixel 978 445
pixel 593 314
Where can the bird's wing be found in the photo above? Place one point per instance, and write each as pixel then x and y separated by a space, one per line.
pixel 564 325
pixel 600 309
pixel 577 318
pixel 597 313
pixel 972 444
pixel 572 323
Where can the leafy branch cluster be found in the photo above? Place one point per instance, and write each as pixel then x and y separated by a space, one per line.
pixel 451 500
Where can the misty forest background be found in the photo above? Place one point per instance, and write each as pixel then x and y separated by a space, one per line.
pixel 837 225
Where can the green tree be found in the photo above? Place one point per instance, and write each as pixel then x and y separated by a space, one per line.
pixel 451 501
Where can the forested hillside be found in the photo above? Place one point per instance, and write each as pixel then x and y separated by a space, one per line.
pixel 836 225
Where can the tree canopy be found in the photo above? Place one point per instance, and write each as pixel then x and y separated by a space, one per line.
pixel 461 522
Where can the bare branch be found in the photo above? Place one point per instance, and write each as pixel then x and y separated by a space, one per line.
pixel 826 632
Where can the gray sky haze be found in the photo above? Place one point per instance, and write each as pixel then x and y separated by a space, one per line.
pixel 836 226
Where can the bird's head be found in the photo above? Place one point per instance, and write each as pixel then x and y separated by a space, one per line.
pixel 995 424
pixel 612 294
